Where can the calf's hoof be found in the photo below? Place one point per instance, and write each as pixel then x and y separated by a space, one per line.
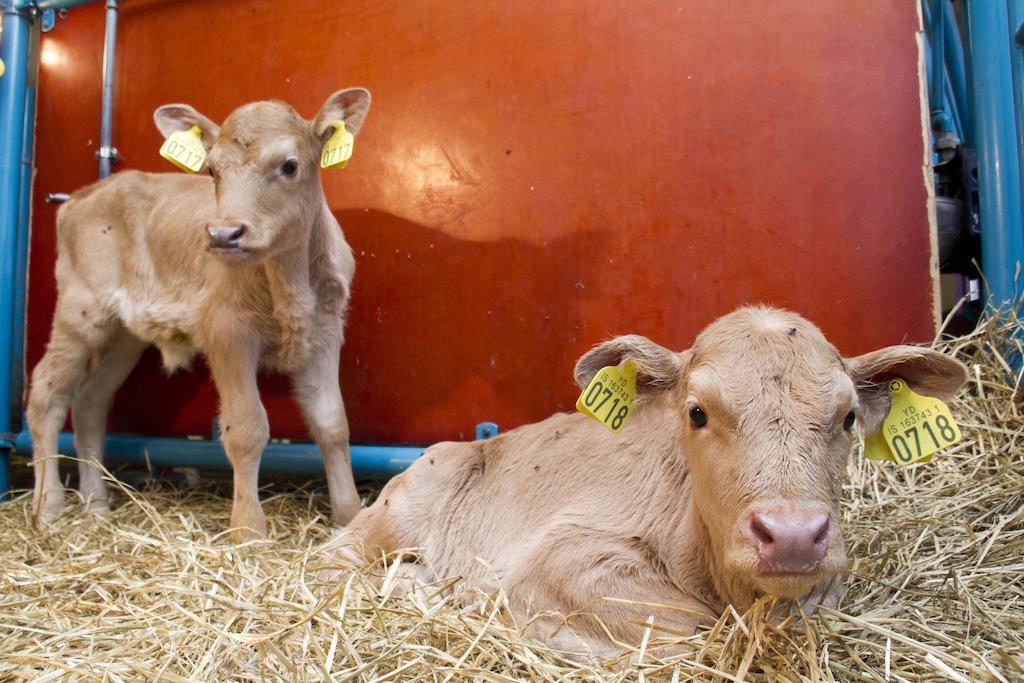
pixel 97 507
pixel 248 523
pixel 247 535
pixel 47 507
pixel 249 532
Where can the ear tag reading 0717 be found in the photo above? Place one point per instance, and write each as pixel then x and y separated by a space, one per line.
pixel 610 395
pixel 915 428
pixel 185 149
pixel 338 148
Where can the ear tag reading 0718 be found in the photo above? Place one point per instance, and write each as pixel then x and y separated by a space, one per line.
pixel 185 149
pixel 876 448
pixel 915 428
pixel 338 148
pixel 610 395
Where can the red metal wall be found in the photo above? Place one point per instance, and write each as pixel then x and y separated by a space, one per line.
pixel 535 177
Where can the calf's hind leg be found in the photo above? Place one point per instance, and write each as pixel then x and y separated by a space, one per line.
pixel 90 409
pixel 55 380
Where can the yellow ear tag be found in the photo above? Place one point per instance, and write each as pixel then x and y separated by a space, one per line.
pixel 876 448
pixel 610 395
pixel 915 428
pixel 338 148
pixel 185 149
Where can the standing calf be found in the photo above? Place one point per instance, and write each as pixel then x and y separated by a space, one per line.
pixel 248 267
pixel 723 486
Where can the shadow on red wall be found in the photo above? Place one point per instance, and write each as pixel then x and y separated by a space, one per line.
pixel 410 278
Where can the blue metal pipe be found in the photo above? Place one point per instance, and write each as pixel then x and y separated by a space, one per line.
pixel 929 59
pixel 107 152
pixel 1015 11
pixel 953 109
pixel 955 68
pixel 995 136
pixel 944 64
pixel 944 110
pixel 14 51
pixel 368 462
pixel 20 283
pixel 56 4
pixel 937 66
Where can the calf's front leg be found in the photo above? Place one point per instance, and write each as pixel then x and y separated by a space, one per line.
pixel 244 431
pixel 319 395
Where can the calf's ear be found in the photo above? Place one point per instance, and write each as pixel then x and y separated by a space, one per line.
pixel 172 118
pixel 349 105
pixel 927 371
pixel 656 366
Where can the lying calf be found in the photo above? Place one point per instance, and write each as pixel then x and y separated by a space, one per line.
pixel 724 485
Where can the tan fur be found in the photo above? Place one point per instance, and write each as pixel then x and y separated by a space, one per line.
pixel 571 517
pixel 133 269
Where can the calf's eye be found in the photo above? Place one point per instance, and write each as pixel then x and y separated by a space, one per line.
pixel 849 420
pixel 697 417
pixel 290 167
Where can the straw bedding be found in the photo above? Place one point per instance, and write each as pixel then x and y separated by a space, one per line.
pixel 156 591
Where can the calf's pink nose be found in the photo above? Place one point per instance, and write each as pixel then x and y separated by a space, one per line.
pixel 224 236
pixel 790 542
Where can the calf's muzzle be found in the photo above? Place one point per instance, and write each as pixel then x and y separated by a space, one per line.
pixel 790 542
pixel 226 236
